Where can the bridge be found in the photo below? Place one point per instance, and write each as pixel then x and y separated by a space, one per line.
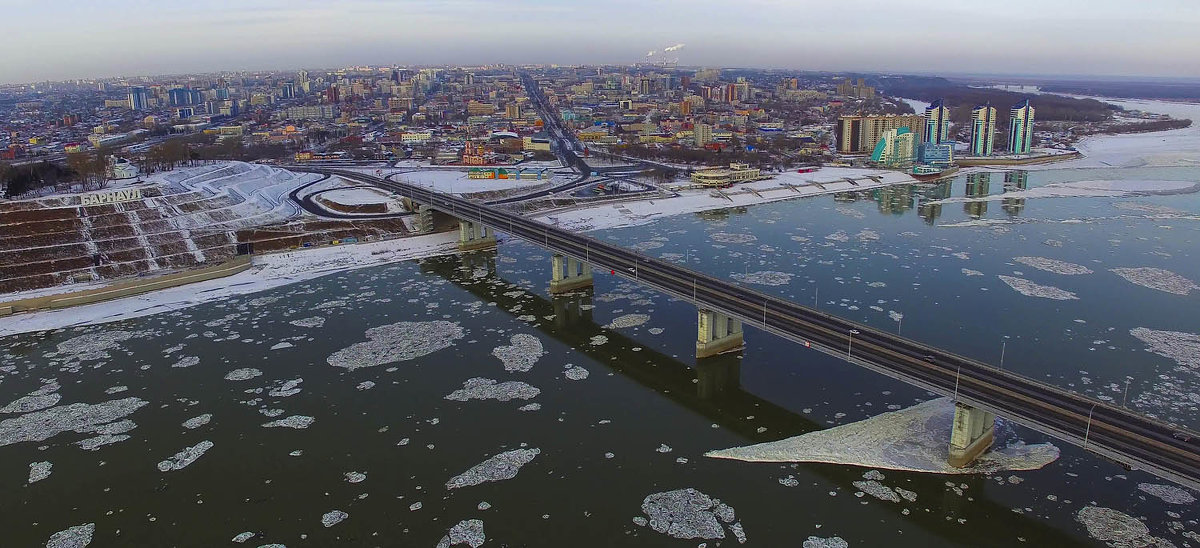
pixel 980 391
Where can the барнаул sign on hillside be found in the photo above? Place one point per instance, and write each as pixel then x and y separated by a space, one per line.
pixel 114 197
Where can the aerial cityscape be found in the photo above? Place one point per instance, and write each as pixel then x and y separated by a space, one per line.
pixel 418 286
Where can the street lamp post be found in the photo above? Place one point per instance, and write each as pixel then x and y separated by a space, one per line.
pixel 850 344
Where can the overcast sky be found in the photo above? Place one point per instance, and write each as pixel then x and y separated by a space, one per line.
pixel 57 39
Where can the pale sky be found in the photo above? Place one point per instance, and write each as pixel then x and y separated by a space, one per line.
pixel 65 39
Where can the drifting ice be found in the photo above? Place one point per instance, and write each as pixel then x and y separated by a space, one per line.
pixel 480 388
pixel 1157 278
pixel 397 342
pixel 469 532
pixel 500 467
pixel 521 354
pixel 1030 289
pixel 1055 266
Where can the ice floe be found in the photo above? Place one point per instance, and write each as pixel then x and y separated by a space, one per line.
pixel 186 361
pixel 185 457
pixel 913 439
pixel 365 385
pixel 1157 278
pixel 73 537
pixel 823 542
pixel 598 340
pixel 765 277
pixel 80 417
pixel 576 373
pixel 243 374
pixel 314 321
pixel 1117 529
pixel 242 537
pixel 500 467
pixel 1054 265
pixel 355 477
pixel 32 402
pixel 691 514
pixel 299 422
pixel 522 352
pixel 969 272
pixel 468 532
pixel 1031 289
pixel 877 490
pixel 1184 348
pixel 91 346
pixel 398 342
pixel 287 389
pixel 627 320
pixel 333 517
pixel 479 388
pixel 198 421
pixel 727 238
pixel 39 471
pixel 1168 493
pixel 92 444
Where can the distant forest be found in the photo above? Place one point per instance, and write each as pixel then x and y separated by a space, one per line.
pixel 1133 90
pixel 961 99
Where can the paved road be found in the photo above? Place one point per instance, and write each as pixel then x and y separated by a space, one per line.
pixel 1114 432
pixel 307 204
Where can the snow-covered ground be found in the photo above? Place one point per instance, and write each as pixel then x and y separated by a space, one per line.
pixel 268 271
pixel 363 196
pixel 784 186
pixel 455 181
pixel 259 193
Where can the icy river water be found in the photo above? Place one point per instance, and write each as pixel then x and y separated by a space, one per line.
pixel 452 400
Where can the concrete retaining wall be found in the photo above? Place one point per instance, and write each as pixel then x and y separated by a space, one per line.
pixel 129 288
pixel 1030 160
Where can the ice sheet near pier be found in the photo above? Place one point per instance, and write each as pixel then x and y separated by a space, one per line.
pixel 914 439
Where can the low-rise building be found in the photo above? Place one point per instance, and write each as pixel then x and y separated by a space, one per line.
pixel 719 177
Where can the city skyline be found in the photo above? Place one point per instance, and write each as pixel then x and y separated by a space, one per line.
pixel 129 38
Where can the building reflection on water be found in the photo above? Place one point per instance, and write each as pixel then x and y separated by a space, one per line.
pixel 1015 181
pixel 925 197
pixel 978 185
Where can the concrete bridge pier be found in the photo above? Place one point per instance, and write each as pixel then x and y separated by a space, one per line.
pixel 971 434
pixel 717 333
pixel 569 274
pixel 473 235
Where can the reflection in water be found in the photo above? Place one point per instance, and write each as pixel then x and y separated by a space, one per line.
pixel 721 214
pixel 897 199
pixel 894 200
pixel 939 191
pixel 1015 181
pixel 978 185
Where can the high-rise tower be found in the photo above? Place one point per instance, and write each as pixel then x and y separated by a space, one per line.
pixel 1020 128
pixel 983 129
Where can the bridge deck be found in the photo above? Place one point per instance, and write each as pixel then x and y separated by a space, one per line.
pixel 1114 432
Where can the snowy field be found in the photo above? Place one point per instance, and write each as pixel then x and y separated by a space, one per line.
pixel 784 186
